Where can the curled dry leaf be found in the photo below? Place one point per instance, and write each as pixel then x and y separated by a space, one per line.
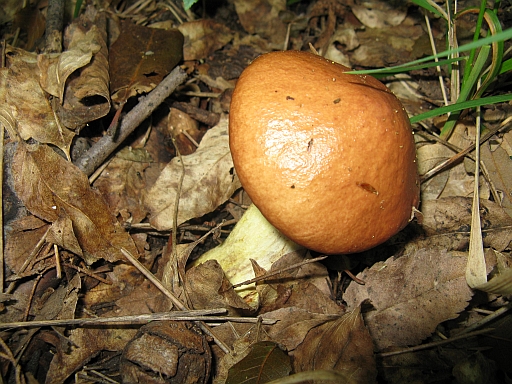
pixel 209 181
pixel 28 103
pixel 411 295
pixel 87 95
pixel 207 287
pixel 342 345
pixel 48 184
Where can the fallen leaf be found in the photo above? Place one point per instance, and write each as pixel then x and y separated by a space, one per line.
pixel 207 288
pixel 87 93
pixel 123 182
pixel 411 295
pixel 47 184
pixel 88 342
pixel 140 58
pixel 342 345
pixel 25 233
pixel 203 38
pixel 451 217
pixel 265 362
pixel 499 167
pixel 294 324
pixel 29 104
pixel 262 17
pixel 379 14
pixel 209 181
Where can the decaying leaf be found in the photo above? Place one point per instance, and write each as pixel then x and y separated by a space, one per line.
pixel 167 352
pixel 265 362
pixel 29 105
pixel 87 94
pixel 140 58
pixel 262 17
pixel 209 181
pixel 48 184
pixel 411 295
pixel 87 342
pixel 451 217
pixel 123 182
pixel 25 233
pixel 342 345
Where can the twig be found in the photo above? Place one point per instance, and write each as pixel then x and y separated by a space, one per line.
pixel 268 275
pixel 205 328
pixel 104 147
pixel 435 343
pixel 54 26
pixel 192 315
pixel 459 156
pixel 487 319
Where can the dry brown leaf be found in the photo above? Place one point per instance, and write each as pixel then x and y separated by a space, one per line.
pixel 209 181
pixel 203 38
pixel 47 184
pixel 208 287
pixel 262 17
pixel 451 217
pixel 499 166
pixel 122 183
pixel 61 233
pixel 411 295
pixel 88 342
pixel 28 102
pixel 343 345
pixel 25 233
pixel 380 14
pixel 265 362
pixel 87 94
pixel 56 68
pixel 305 287
pixel 454 182
pixel 140 58
pixel 294 324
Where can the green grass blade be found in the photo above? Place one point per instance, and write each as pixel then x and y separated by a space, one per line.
pixel 502 36
pixel 466 89
pixel 426 5
pixel 460 106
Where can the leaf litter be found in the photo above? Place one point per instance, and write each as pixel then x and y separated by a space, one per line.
pixel 63 259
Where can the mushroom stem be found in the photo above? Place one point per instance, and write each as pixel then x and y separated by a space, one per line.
pixel 253 237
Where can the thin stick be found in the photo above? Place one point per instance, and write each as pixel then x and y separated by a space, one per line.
pixel 435 343
pixel 192 315
pixel 174 299
pixel 487 319
pixel 268 275
pixel 104 147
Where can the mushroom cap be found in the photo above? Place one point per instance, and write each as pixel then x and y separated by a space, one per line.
pixel 327 157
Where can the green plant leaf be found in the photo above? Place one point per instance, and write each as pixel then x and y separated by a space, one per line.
pixel 426 5
pixel 188 4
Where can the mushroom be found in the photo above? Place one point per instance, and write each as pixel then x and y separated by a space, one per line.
pixel 328 157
